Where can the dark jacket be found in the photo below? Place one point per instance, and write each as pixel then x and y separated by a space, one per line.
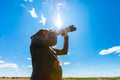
pixel 45 63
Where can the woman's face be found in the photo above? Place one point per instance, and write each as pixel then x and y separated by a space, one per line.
pixel 52 38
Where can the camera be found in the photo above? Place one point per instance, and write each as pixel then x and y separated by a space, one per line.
pixel 70 28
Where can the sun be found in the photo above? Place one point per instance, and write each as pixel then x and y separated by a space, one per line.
pixel 58 21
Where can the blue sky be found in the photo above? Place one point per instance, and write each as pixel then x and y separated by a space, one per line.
pixel 94 48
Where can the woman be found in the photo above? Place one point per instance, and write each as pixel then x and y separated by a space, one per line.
pixel 44 58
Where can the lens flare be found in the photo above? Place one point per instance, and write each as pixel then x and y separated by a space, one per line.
pixel 58 21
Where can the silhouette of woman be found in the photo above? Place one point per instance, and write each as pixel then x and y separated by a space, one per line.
pixel 45 63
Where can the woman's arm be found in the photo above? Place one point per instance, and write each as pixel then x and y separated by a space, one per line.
pixel 65 47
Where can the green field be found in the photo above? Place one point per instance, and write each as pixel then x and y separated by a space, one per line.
pixel 16 78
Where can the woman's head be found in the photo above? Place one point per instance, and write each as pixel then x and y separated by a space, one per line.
pixel 52 37
pixel 48 37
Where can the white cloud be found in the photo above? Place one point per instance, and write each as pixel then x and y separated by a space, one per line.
pixel 61 4
pixel 33 13
pixel 22 5
pixel 9 65
pixel 1 62
pixel 30 0
pixel 118 51
pixel 30 66
pixel 29 59
pixel 43 20
pixel 115 49
pixel 66 63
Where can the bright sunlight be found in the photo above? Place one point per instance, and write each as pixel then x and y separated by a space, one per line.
pixel 58 21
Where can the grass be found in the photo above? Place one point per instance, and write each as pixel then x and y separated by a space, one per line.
pixel 26 78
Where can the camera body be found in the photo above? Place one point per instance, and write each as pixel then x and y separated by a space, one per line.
pixel 70 28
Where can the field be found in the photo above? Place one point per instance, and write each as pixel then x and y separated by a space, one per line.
pixel 16 78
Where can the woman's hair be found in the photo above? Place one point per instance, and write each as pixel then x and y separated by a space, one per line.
pixel 39 33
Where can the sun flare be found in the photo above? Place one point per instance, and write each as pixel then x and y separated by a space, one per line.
pixel 58 21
